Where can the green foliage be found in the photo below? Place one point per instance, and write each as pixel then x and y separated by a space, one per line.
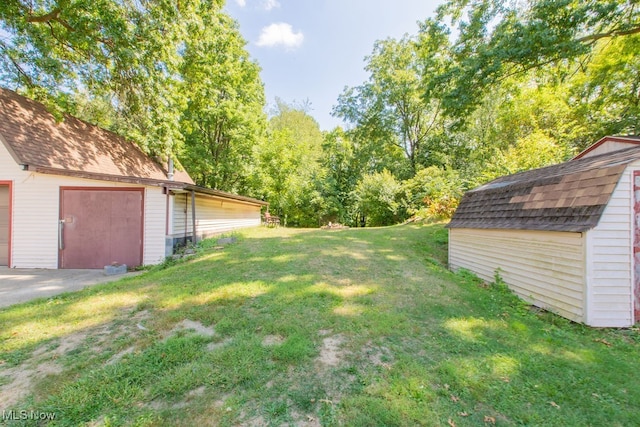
pixel 390 108
pixel 135 68
pixel 434 193
pixel 378 199
pixel 606 92
pixel 498 39
pixel 127 52
pixel 533 151
pixel 223 119
pixel 288 166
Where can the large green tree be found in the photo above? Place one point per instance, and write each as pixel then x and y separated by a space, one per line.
pixel 500 38
pixel 126 51
pixel 606 93
pixel 288 166
pixel 390 109
pixel 224 117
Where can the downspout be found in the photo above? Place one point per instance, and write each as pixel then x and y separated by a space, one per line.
pixel 186 219
pixel 193 216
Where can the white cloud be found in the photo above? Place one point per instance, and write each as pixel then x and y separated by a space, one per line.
pixel 269 4
pixel 241 3
pixel 280 34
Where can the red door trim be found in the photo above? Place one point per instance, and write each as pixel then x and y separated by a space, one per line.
pixel 636 247
pixel 142 222
pixel 10 184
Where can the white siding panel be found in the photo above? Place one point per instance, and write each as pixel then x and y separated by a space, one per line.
pixel 608 147
pixel 155 208
pixel 544 268
pixel 35 216
pixel 214 215
pixel 609 275
pixel 36 209
pixel 36 212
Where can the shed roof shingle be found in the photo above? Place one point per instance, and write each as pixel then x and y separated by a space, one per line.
pixel 570 196
pixel 36 139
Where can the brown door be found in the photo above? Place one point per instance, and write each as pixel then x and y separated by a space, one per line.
pixel 100 227
pixel 4 225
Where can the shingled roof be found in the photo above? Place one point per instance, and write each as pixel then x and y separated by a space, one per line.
pixel 570 196
pixel 40 143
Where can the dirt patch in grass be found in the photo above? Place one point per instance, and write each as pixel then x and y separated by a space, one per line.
pixel 271 340
pixel 216 345
pixel 22 380
pixel 305 420
pixel 197 327
pixel 19 381
pixel 258 421
pixel 378 355
pixel 330 353
pixel 118 356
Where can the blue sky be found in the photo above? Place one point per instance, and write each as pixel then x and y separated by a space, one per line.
pixel 312 49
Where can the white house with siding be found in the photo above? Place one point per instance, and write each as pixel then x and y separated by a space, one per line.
pixel 73 195
pixel 565 238
pixel 215 212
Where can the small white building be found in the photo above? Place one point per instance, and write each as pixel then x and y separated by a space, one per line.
pixel 565 238
pixel 73 195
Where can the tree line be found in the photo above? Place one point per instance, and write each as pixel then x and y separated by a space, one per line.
pixel 482 89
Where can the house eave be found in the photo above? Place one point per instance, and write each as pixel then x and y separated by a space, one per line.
pixel 224 195
pixel 105 177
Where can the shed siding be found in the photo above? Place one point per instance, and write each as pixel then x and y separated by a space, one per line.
pixel 213 215
pixel 36 208
pixel 607 147
pixel 610 255
pixel 544 268
pixel 155 208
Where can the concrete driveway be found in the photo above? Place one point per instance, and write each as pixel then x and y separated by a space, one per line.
pixel 20 285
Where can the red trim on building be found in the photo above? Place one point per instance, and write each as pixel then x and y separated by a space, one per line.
pixel 10 185
pixel 624 139
pixel 636 247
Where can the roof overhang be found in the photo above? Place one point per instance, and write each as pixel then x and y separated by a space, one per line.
pixel 11 151
pixel 105 177
pixel 221 195
pixel 175 186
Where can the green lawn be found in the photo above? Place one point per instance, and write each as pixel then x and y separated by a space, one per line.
pixel 313 327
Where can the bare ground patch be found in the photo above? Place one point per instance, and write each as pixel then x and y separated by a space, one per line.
pixel 22 379
pixel 305 420
pixel 44 361
pixel 330 353
pixel 197 327
pixel 271 340
pixel 378 355
pixel 216 345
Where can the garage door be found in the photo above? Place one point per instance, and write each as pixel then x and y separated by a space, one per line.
pixel 100 227
pixel 4 224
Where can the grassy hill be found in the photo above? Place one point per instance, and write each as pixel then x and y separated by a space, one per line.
pixel 313 327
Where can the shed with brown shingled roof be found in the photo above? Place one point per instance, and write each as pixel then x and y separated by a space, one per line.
pixel 562 237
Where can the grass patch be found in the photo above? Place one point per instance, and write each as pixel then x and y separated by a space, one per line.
pixel 313 327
